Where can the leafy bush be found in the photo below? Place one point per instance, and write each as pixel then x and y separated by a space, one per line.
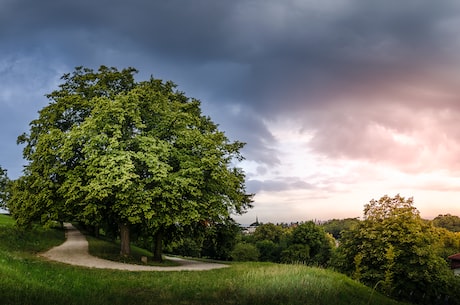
pixel 245 252
pixel 296 253
pixel 269 251
pixel 309 244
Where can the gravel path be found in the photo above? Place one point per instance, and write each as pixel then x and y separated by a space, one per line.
pixel 74 251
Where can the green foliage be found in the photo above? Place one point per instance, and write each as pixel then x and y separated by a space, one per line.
pixel 220 239
pixel 389 266
pixel 449 242
pixel 300 243
pixel 244 252
pixel 269 231
pixel 27 204
pixel 296 254
pixel 270 240
pixel 337 226
pixel 269 251
pixel 28 279
pixel 108 150
pixel 447 221
pixel 395 248
pixel 187 246
pixel 357 260
pixel 308 244
pixel 207 239
pixel 4 185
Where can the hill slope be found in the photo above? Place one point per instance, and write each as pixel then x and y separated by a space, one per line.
pixel 28 279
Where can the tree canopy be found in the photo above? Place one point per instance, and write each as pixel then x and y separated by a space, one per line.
pixel 4 183
pixel 396 250
pixel 109 150
pixel 336 226
pixel 447 221
pixel 269 231
pixel 309 244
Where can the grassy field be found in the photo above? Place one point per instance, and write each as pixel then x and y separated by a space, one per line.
pixel 28 279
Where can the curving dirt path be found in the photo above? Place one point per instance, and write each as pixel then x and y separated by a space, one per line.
pixel 74 251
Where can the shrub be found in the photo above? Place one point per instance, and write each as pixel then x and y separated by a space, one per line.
pixel 245 252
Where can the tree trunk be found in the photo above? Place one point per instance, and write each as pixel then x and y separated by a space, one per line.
pixel 96 231
pixel 158 247
pixel 125 249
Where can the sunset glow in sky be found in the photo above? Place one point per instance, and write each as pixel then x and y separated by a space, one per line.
pixel 339 101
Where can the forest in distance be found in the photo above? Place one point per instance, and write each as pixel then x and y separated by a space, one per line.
pixel 392 249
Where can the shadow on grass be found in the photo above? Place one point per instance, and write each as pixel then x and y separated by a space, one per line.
pixel 107 249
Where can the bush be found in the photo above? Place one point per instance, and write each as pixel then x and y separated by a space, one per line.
pixel 269 251
pixel 309 244
pixel 244 252
pixel 296 253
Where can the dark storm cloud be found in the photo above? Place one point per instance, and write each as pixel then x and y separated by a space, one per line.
pixel 267 59
pixel 23 82
pixel 265 35
pixel 247 127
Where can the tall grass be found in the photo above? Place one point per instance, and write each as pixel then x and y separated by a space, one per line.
pixel 28 279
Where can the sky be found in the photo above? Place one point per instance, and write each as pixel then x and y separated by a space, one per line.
pixel 339 101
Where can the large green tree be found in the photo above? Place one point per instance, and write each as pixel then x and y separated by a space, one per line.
pixel 38 194
pixel 396 251
pixel 109 150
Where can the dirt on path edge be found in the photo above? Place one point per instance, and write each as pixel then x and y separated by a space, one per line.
pixel 74 251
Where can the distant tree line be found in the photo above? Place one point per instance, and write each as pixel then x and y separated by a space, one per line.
pixel 448 222
pixel 392 249
pixel 401 254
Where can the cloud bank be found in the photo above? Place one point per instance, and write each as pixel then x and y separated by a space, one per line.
pixel 332 97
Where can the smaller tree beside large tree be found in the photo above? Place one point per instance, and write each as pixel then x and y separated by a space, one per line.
pixel 394 250
pixel 4 184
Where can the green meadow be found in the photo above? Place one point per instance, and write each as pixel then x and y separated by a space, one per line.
pixel 26 278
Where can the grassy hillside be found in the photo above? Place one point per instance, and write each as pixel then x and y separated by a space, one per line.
pixel 28 279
